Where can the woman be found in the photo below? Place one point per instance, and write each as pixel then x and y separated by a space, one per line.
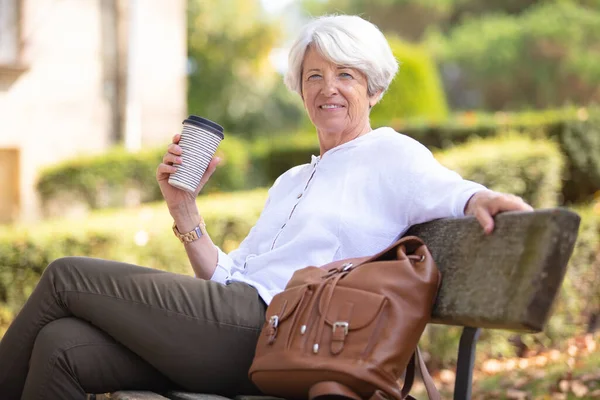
pixel 94 326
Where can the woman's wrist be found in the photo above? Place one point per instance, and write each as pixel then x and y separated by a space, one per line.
pixel 186 217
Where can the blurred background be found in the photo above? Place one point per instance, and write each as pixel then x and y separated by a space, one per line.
pixel 505 92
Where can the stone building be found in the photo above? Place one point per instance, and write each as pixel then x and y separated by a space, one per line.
pixel 80 76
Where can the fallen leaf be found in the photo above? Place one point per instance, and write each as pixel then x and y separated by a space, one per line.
pixel 563 386
pixel 572 350
pixel 540 361
pixel 520 382
pixel 579 389
pixel 590 377
pixel 514 394
pixel 594 395
pixel 447 376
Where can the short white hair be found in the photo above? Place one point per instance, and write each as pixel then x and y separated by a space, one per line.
pixel 346 40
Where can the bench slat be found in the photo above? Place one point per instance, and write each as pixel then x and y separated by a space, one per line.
pixel 507 280
pixel 175 395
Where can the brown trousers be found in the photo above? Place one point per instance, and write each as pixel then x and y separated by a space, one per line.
pixel 96 326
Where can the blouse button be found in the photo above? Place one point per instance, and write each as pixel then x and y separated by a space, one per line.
pixel 300 195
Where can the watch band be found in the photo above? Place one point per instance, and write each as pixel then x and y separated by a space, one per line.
pixel 194 234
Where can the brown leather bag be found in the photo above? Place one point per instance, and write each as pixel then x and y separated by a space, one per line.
pixel 350 328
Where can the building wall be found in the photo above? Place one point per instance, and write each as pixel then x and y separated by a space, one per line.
pixel 163 61
pixel 61 106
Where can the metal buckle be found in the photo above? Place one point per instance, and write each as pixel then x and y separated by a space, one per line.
pixel 347 266
pixel 274 321
pixel 341 324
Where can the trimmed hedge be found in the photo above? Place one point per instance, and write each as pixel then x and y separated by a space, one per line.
pixel 530 168
pixel 140 236
pixel 577 131
pixel 144 238
pixel 119 178
pixel 273 156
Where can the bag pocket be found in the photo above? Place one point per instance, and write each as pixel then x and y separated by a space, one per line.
pixel 350 319
pixel 280 316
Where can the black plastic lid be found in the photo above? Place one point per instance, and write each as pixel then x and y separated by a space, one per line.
pixel 206 124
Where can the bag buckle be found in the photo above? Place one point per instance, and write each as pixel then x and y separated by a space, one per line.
pixel 274 321
pixel 272 330
pixel 341 324
pixel 347 266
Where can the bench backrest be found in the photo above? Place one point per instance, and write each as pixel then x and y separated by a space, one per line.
pixel 507 280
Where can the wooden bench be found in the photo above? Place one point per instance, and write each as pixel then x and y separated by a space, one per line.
pixel 507 280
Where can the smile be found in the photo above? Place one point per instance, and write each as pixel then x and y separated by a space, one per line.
pixel 330 106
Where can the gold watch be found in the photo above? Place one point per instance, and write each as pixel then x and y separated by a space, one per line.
pixel 192 235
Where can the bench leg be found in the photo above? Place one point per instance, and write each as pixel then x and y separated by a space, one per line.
pixel 466 360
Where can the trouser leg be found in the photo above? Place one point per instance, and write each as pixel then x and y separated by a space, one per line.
pixel 71 358
pixel 199 334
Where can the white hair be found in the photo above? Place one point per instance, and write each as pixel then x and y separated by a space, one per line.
pixel 346 40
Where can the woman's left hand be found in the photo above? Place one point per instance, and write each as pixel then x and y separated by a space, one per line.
pixel 485 204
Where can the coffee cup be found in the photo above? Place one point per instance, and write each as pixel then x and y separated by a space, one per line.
pixel 200 138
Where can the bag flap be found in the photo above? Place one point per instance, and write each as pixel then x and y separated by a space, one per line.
pixel 359 306
pixel 283 304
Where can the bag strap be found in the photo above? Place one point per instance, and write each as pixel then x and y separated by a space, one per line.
pixel 409 377
pixel 327 389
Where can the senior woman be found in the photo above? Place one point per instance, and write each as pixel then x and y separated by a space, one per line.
pixel 93 326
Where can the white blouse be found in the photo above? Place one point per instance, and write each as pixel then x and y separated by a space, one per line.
pixel 355 200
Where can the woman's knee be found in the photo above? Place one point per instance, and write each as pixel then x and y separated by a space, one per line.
pixel 67 267
pixel 60 335
pixel 61 264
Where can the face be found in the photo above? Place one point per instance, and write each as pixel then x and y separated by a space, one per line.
pixel 335 97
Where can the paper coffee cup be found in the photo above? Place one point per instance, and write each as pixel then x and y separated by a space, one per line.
pixel 200 138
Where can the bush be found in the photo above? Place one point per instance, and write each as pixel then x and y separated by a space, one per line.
pixel 273 156
pixel 416 92
pixel 119 178
pixel 578 307
pixel 140 236
pixel 513 164
pixel 575 130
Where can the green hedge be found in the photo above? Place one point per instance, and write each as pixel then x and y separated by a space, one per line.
pixel 140 236
pixel 415 92
pixel 576 130
pixel 530 168
pixel 109 179
pixel 144 237
pixel 273 156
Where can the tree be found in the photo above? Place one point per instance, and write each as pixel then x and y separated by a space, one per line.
pixel 547 56
pixel 231 78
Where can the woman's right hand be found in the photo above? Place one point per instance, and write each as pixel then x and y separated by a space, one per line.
pixel 178 199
